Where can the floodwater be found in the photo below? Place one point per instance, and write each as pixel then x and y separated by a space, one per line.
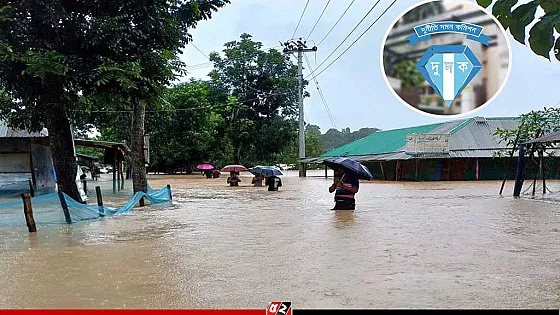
pixel 407 245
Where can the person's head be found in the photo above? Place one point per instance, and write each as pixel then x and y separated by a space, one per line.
pixel 339 171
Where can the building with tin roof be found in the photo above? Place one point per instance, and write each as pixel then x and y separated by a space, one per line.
pixel 464 149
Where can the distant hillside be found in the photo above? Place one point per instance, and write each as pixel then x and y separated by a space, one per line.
pixel 334 138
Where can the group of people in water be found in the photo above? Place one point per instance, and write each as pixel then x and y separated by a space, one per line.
pixel 273 182
pixel 345 185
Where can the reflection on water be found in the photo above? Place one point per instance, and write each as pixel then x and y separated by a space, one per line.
pixel 413 245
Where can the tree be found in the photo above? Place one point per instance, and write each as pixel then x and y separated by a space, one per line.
pixel 541 35
pixel 531 125
pixel 53 52
pixel 261 89
pixel 405 70
pixel 333 138
pixel 191 131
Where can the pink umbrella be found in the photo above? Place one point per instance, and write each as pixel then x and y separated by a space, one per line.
pixel 234 168
pixel 205 167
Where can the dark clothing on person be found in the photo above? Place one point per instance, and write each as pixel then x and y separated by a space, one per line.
pixel 216 174
pixel 273 183
pixel 233 180
pixel 208 173
pixel 344 199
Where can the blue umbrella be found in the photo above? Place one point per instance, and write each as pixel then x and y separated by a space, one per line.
pixel 351 165
pixel 266 171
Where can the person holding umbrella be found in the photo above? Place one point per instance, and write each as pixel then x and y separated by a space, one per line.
pixel 345 186
pixel 272 180
pixel 233 179
pixel 346 183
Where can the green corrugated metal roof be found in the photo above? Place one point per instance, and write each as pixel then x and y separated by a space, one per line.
pixel 380 142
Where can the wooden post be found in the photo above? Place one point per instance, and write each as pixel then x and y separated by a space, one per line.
pixel 541 168
pixel 28 212
pixel 121 168
pixel 382 170
pixel 99 201
pixel 32 167
pixel 397 171
pixel 64 207
pixel 31 188
pixel 169 190
pixel 520 172
pixel 326 171
pixel 509 161
pixel 416 169
pixel 118 176
pixel 114 170
pixel 477 167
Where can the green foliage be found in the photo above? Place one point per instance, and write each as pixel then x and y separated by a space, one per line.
pixel 405 70
pixel 262 86
pixel 541 35
pixel 531 125
pixel 333 138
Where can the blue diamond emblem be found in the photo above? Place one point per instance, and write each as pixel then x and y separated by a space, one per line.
pixel 448 69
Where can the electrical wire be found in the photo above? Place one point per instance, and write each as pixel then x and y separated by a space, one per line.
pixel 372 24
pixel 200 51
pixel 322 95
pixel 347 36
pixel 335 24
pixel 320 16
pixel 300 18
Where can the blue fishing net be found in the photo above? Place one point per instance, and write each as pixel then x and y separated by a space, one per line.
pixel 48 209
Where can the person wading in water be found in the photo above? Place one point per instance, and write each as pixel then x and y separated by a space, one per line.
pixel 346 185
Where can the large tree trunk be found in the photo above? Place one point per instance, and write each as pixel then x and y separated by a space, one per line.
pixel 63 153
pixel 139 181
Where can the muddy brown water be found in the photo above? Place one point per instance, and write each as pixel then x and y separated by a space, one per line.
pixel 407 245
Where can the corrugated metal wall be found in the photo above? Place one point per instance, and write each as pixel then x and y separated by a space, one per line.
pixel 458 169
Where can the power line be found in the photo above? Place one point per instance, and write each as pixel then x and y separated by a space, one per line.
pixel 335 24
pixel 385 11
pixel 347 36
pixel 200 51
pixel 300 18
pixel 321 95
pixel 320 16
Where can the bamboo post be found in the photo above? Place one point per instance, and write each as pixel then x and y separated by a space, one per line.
pixel 541 153
pixel 382 170
pixel 99 201
pixel 118 177
pixel 64 207
pixel 28 212
pixel 477 171
pixel 520 172
pixel 416 170
pixel 114 171
pixel 169 190
pixel 121 168
pixel 31 188
pixel 509 162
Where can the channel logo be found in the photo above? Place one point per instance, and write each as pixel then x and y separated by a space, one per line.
pixel 279 308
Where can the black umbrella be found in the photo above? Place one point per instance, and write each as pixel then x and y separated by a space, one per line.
pixel 351 165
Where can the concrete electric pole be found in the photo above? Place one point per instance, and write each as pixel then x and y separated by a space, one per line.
pixel 290 47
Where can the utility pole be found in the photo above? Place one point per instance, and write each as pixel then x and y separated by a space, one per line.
pixel 290 47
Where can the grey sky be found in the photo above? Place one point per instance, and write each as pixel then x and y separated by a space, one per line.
pixel 353 86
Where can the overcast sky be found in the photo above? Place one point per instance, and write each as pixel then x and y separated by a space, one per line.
pixel 353 86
